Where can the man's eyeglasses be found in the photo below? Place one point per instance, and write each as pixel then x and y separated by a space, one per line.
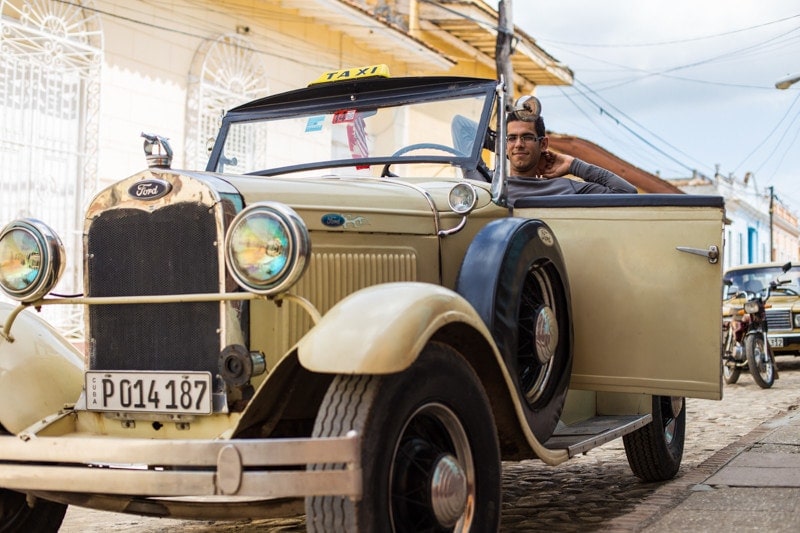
pixel 526 139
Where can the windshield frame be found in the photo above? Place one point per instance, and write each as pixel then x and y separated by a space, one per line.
pixel 365 94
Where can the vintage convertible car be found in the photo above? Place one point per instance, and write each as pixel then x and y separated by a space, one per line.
pixel 343 317
pixel 783 313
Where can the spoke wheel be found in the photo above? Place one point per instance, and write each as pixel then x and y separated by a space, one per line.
pixel 538 326
pixel 730 372
pixel 430 457
pixel 759 360
pixel 514 277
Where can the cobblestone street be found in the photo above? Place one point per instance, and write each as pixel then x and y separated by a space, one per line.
pixel 596 491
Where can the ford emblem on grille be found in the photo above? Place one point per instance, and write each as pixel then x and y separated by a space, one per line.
pixel 149 189
pixel 333 220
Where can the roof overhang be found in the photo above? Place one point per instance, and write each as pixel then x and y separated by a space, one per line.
pixel 370 32
pixel 475 23
pixel 596 155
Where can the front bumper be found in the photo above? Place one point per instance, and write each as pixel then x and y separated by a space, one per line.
pixel 784 342
pixel 259 468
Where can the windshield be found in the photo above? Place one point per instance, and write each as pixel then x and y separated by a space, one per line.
pixel 439 136
pixel 756 279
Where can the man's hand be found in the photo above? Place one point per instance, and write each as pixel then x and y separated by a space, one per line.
pixel 554 164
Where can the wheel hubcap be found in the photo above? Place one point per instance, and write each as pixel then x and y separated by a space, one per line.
pixel 433 476
pixel 546 334
pixel 448 490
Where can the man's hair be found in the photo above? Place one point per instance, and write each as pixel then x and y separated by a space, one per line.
pixel 538 123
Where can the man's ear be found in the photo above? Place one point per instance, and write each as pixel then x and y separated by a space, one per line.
pixel 545 142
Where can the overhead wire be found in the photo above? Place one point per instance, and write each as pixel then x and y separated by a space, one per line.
pixel 770 45
pixel 769 135
pixel 673 41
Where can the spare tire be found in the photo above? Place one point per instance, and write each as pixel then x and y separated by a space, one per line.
pixel 514 276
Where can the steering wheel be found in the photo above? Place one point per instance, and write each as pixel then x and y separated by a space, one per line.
pixel 418 146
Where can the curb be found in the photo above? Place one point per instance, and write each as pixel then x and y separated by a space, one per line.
pixel 672 493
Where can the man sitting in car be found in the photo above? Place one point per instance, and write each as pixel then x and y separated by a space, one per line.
pixel 537 171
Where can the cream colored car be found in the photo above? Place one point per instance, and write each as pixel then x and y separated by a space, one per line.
pixel 341 316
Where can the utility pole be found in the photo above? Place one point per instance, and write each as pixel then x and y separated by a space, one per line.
pixel 771 223
pixel 502 51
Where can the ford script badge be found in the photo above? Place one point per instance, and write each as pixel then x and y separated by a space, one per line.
pixel 333 220
pixel 149 189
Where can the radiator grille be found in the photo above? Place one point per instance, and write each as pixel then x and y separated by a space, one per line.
pixel 779 319
pixel 169 251
pixel 329 278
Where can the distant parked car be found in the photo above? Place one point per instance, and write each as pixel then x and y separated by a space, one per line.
pixel 783 315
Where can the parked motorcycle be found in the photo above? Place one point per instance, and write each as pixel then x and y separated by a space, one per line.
pixel 746 344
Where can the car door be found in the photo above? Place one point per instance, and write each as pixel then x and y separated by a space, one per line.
pixel 645 279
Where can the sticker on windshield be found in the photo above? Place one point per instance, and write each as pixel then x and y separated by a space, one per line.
pixel 315 123
pixel 346 115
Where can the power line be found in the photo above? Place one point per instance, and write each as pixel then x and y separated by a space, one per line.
pixel 603 110
pixel 675 41
pixel 769 134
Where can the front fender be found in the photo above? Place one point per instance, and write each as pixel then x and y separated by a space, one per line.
pixel 382 329
pixel 40 371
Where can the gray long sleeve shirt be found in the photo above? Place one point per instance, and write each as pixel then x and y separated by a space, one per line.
pixel 597 180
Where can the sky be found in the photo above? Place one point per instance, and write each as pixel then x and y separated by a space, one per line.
pixel 678 86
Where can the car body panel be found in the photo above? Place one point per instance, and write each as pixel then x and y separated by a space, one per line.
pixel 38 364
pixel 616 257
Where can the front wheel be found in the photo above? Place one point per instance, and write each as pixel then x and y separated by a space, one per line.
pixel 759 360
pixel 20 514
pixel 430 456
pixel 655 451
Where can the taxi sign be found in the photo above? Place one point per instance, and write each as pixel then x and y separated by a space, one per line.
pixel 371 71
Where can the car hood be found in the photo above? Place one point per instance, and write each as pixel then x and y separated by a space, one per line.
pixel 410 206
pixel 778 301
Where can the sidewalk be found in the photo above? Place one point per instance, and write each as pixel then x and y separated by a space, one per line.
pixel 751 485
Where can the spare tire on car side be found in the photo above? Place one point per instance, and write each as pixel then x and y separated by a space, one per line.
pixel 514 276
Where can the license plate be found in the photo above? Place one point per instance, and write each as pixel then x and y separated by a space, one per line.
pixel 775 342
pixel 149 392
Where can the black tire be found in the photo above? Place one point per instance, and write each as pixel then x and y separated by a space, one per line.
pixel 759 360
pixel 433 418
pixel 655 451
pixel 17 516
pixel 513 274
pixel 730 372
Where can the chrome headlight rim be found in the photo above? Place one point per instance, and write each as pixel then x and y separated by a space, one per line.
pixel 51 260
pixel 751 307
pixel 297 250
pixel 797 320
pixel 462 198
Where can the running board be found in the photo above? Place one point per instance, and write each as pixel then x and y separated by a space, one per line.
pixel 583 436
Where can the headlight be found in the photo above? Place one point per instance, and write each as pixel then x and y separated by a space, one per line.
pixel 462 198
pixel 31 259
pixel 751 307
pixel 267 248
pixel 797 320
